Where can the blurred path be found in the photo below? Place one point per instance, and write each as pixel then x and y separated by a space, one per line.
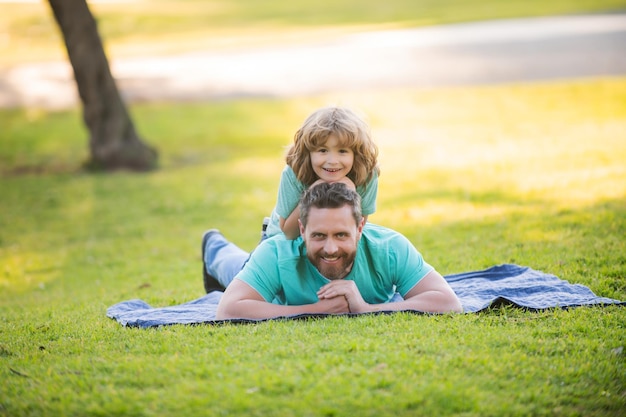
pixel 470 53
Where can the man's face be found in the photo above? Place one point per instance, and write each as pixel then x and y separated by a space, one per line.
pixel 331 237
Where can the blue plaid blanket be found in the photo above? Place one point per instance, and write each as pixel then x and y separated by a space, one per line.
pixel 478 290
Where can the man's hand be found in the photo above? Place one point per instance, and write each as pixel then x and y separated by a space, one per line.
pixel 240 300
pixel 432 294
pixel 347 289
pixel 334 305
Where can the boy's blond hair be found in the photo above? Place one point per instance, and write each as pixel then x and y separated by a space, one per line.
pixel 351 131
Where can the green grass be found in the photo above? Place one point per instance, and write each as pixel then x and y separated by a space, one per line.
pixel 28 31
pixel 532 174
pixel 505 363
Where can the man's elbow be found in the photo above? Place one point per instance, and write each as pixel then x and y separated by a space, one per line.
pixel 445 302
pixel 454 304
pixel 226 310
pixel 456 307
pixel 221 313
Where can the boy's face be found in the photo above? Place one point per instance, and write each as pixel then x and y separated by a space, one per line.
pixel 331 162
pixel 331 238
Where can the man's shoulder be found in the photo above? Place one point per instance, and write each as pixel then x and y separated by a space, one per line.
pixel 280 246
pixel 270 259
pixel 379 240
pixel 377 233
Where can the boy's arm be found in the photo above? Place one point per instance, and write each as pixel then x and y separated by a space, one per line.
pixel 290 226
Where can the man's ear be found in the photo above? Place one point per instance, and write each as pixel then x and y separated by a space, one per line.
pixel 301 228
pixel 361 225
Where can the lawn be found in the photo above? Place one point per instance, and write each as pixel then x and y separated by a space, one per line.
pixel 532 174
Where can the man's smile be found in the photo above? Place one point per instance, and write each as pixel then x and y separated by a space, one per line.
pixel 330 259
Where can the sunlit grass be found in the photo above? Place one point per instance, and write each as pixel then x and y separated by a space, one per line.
pixel 448 157
pixel 560 143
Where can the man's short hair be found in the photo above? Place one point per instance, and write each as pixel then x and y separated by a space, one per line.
pixel 330 195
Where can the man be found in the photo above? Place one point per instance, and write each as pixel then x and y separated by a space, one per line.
pixel 337 265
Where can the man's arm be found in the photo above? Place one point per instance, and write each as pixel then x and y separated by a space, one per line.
pixel 431 294
pixel 242 301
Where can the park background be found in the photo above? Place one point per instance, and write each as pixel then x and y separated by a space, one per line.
pixel 530 173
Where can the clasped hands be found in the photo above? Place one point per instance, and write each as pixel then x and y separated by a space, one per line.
pixel 342 296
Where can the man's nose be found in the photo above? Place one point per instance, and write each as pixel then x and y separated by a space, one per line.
pixel 330 247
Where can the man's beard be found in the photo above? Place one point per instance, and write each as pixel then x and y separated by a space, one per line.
pixel 332 272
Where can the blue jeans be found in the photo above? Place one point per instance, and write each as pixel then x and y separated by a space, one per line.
pixel 223 259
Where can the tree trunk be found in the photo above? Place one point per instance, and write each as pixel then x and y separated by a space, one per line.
pixel 113 141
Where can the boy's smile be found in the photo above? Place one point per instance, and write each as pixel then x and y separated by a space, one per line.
pixel 332 162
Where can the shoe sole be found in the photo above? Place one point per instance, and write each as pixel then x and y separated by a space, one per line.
pixel 210 283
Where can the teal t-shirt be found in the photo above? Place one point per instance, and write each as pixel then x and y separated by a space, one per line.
pixel 386 262
pixel 290 190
